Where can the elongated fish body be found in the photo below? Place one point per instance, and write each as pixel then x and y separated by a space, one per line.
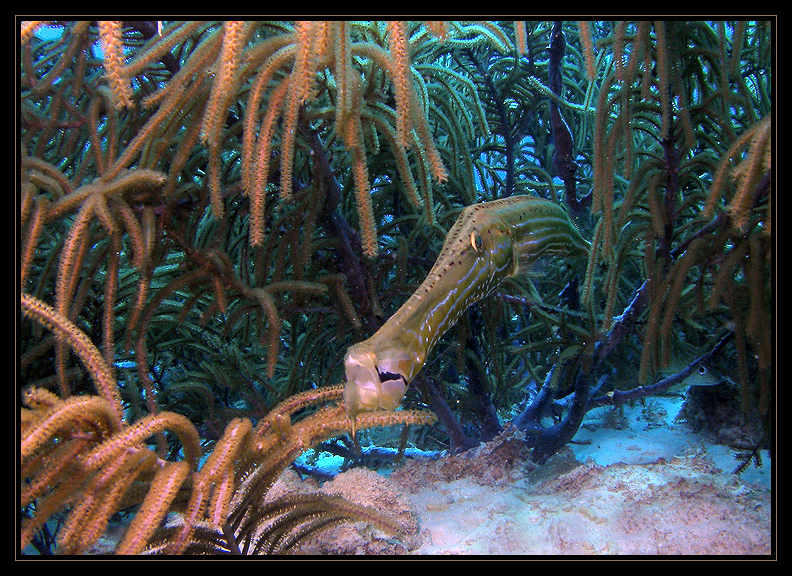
pixel 489 243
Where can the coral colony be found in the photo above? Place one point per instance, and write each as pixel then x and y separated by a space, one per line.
pixel 214 214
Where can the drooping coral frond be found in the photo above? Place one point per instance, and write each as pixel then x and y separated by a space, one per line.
pixel 110 34
pixel 66 332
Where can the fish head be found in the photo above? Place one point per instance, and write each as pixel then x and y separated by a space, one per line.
pixel 704 375
pixel 372 383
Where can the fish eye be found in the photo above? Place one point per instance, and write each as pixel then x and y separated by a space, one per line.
pixel 476 241
pixel 702 370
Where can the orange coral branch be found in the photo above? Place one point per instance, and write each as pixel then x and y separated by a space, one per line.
pixel 113 50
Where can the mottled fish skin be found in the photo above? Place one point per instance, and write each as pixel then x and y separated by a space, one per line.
pixel 489 243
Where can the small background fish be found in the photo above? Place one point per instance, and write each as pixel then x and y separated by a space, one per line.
pixel 683 354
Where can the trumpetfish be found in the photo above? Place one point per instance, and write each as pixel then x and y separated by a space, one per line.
pixel 489 242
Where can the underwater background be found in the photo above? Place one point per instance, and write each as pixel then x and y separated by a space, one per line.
pixel 212 213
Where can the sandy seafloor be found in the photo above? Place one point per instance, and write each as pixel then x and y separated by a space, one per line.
pixel 648 486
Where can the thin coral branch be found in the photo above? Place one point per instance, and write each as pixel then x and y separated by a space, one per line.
pixel 72 336
pixel 110 35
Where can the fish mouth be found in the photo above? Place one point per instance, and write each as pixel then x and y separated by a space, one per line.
pixel 386 376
